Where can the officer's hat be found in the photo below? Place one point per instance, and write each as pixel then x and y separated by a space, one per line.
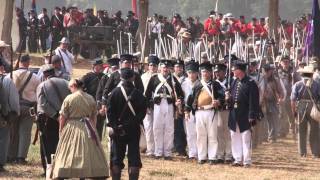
pixel 205 66
pixel 239 65
pixel 57 8
pixel 126 73
pixel 165 63
pixel 64 40
pixel 113 62
pixel 25 58
pixel 55 59
pixel 97 61
pixel 220 67
pixel 126 57
pixel 192 66
pixel 153 60
pixel 178 62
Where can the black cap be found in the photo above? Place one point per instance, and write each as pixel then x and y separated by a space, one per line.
pixel 97 61
pixel 268 67
pixel 55 59
pixel 57 8
pixel 113 62
pixel 176 15
pixel 192 66
pixel 166 63
pixel 220 67
pixel 126 73
pixel 179 62
pixel 126 57
pixel 25 58
pixel 239 65
pixel 233 57
pixel 130 13
pixel 152 59
pixel 206 66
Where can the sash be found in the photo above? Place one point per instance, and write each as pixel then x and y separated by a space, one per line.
pixel 205 86
pixel 163 82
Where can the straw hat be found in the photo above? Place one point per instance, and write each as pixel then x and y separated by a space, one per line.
pixel 306 70
pixel 3 44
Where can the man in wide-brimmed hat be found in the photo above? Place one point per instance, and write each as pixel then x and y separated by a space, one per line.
pixel 306 93
pixel 67 58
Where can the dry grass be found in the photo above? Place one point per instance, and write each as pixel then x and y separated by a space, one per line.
pixel 270 161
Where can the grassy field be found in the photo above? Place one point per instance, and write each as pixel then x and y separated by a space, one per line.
pixel 270 162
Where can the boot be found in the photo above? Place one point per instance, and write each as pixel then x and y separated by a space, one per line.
pixel 134 173
pixel 116 173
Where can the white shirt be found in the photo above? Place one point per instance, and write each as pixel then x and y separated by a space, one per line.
pixel 187 87
pixel 19 77
pixel 67 57
pixel 146 78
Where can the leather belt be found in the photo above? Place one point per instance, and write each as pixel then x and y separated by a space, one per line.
pixel 207 107
pixel 163 96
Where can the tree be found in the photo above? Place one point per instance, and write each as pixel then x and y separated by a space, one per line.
pixel 7 20
pixel 143 16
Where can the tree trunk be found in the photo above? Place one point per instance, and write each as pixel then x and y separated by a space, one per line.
pixel 273 18
pixel 143 16
pixel 7 20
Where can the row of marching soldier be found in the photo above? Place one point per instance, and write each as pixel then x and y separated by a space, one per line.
pixel 212 109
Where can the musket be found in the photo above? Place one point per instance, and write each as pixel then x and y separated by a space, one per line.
pixel 11 60
pixel 261 58
pixel 19 57
pixel 179 108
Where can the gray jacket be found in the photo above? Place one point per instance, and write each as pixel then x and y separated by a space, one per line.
pixel 48 101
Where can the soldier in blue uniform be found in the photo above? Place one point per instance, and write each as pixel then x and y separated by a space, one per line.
pixel 126 61
pixel 91 82
pixel 126 110
pixel 244 112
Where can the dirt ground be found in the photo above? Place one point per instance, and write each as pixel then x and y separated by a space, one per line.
pixel 270 161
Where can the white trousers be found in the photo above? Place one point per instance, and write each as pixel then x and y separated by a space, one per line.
pixel 207 141
pixel 191 132
pixel 224 139
pixel 163 128
pixel 148 127
pixel 241 146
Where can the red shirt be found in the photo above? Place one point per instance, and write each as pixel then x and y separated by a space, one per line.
pixel 212 28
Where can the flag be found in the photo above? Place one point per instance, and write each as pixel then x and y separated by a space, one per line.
pixel 134 7
pixel 94 8
pixel 217 4
pixel 312 42
pixel 316 29
pixel 33 5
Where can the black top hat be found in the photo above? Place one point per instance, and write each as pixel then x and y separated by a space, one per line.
pixel 206 66
pixel 152 59
pixel 220 67
pixel 192 66
pixel 113 62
